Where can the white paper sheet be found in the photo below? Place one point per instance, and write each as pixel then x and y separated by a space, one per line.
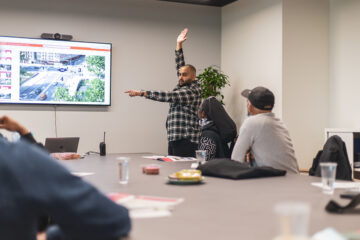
pixel 328 234
pixel 149 213
pixel 171 158
pixel 194 165
pixel 82 174
pixel 146 206
pixel 155 157
pixel 343 185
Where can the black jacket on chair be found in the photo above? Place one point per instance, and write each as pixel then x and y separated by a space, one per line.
pixel 334 151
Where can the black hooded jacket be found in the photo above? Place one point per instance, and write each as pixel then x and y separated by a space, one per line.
pixel 215 112
pixel 219 130
pixel 334 151
pixel 211 141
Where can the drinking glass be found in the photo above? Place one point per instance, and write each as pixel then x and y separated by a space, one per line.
pixel 328 173
pixel 123 166
pixel 201 156
pixel 293 219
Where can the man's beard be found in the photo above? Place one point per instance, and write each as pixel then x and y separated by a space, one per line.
pixel 183 83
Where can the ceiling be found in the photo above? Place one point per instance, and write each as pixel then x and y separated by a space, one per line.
pixel 217 3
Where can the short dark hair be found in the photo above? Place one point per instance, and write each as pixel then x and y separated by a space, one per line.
pixel 192 68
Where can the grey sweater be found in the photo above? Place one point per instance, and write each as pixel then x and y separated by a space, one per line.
pixel 268 140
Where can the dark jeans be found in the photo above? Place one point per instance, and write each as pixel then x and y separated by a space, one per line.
pixel 182 148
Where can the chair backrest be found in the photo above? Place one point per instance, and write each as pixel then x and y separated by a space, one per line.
pixel 315 164
pixel 334 151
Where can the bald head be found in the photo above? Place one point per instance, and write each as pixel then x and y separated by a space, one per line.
pixel 191 67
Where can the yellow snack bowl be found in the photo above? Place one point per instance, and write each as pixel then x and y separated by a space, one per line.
pixel 188 174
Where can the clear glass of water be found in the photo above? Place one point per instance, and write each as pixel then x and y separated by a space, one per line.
pixel 123 167
pixel 328 173
pixel 293 220
pixel 201 156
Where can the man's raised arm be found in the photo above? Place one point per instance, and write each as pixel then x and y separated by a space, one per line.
pixel 181 38
pixel 179 55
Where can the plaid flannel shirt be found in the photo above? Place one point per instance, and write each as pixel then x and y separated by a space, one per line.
pixel 182 121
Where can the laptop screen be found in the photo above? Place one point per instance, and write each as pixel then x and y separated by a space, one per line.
pixel 66 144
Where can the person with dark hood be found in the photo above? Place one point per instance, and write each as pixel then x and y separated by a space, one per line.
pixel 35 186
pixel 217 129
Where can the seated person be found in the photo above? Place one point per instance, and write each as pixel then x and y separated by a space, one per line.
pixel 33 184
pixel 264 136
pixel 11 125
pixel 217 129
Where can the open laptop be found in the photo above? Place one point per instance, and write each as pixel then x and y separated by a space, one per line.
pixel 66 144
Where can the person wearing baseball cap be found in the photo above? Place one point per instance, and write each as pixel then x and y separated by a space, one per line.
pixel 264 139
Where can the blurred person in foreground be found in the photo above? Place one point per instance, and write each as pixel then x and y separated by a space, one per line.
pixel 33 184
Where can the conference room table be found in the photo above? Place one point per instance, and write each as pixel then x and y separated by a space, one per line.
pixel 216 209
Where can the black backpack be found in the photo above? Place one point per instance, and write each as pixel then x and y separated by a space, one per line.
pixel 334 151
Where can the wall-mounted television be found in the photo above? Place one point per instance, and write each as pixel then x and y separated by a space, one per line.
pixel 41 71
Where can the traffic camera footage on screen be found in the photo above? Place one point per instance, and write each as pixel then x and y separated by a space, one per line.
pixel 38 71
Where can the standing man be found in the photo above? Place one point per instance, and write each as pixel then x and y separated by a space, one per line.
pixel 263 138
pixel 183 130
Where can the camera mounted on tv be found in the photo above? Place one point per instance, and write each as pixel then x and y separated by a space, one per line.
pixel 56 36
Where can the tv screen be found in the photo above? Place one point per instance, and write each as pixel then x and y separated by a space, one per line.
pixel 40 71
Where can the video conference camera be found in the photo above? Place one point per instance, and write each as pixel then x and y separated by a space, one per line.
pixel 56 36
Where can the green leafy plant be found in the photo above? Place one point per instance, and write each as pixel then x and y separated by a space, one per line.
pixel 212 80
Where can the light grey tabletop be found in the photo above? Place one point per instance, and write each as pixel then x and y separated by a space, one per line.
pixel 218 208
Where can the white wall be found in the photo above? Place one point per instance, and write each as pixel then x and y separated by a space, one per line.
pixel 279 44
pixel 282 45
pixel 143 34
pixel 251 51
pixel 344 64
pixel 306 75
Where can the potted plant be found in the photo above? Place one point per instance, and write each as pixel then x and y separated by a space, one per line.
pixel 212 80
